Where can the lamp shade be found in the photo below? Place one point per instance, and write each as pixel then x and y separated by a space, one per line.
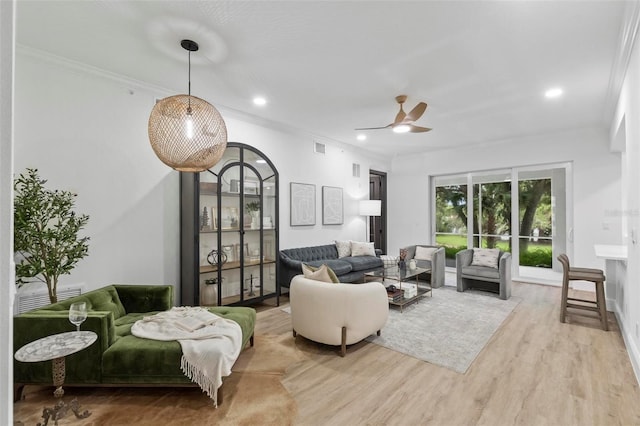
pixel 187 133
pixel 370 207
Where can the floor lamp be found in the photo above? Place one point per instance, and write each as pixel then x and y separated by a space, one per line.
pixel 370 208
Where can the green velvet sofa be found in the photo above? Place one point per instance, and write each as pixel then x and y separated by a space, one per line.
pixel 117 357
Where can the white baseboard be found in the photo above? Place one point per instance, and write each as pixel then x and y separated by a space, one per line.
pixel 632 348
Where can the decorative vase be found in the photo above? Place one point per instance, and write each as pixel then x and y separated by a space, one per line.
pixel 412 264
pixel 255 220
pixel 402 264
pixel 209 296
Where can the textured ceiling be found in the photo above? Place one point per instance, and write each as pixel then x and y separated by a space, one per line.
pixel 329 67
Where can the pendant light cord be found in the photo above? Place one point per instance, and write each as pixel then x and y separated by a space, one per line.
pixel 189 107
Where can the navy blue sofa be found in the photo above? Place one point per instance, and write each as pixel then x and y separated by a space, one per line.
pixel 348 269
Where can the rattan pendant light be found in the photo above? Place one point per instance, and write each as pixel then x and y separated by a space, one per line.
pixel 187 133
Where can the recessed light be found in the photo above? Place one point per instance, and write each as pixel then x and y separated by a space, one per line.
pixel 259 100
pixel 361 137
pixel 553 93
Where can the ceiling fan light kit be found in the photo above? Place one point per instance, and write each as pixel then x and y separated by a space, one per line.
pixel 401 128
pixel 404 122
pixel 187 133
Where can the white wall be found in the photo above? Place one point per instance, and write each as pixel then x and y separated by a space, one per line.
pixel 86 131
pixel 596 185
pixel 626 129
pixel 292 154
pixel 7 292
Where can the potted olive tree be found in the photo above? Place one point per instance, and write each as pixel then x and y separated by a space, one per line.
pixel 46 241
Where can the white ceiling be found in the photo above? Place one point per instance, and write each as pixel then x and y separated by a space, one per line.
pixel 328 67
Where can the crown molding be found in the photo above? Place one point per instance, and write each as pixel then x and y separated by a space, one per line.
pixel 627 38
pixel 133 83
pixel 90 69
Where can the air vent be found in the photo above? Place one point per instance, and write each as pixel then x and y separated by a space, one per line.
pixel 319 148
pixel 38 297
pixel 356 170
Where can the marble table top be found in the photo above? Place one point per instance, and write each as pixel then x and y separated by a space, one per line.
pixel 56 346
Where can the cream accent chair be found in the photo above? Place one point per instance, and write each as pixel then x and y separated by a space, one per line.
pixel 337 314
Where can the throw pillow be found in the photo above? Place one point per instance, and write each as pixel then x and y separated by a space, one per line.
pixel 485 257
pixel 362 249
pixel 389 261
pixel 424 253
pixel 344 248
pixel 323 273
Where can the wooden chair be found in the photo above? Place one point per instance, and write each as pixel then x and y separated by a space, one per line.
pixel 595 276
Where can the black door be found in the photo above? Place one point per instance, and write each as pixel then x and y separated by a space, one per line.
pixel 378 224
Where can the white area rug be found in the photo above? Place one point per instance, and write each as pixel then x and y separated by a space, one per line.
pixel 449 329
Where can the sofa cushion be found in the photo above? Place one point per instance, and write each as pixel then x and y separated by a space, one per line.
pixel 423 263
pixel 485 257
pixel 344 248
pixel 361 263
pixel 339 266
pixel 123 324
pixel 362 249
pixel 134 360
pixel 481 271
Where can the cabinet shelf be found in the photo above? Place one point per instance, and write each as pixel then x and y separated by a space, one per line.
pixel 205 269
pixel 236 230
pixel 234 195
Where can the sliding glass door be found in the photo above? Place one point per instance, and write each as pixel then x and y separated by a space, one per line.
pixel 530 219
pixel 450 213
pixel 543 220
pixel 492 210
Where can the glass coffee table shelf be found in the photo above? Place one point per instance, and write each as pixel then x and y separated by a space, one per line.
pixel 400 276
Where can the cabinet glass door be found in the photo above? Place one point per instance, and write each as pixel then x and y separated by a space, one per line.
pixel 235 216
pixel 269 232
pixel 208 227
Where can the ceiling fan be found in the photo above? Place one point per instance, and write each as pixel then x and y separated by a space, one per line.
pixel 404 122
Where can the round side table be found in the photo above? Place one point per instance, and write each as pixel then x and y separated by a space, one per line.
pixel 55 348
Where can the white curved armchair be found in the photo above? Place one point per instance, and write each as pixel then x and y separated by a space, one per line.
pixel 337 314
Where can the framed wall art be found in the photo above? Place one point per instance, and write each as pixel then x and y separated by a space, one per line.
pixel 332 209
pixel 303 204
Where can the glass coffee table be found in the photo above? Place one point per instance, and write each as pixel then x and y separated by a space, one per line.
pixel 400 277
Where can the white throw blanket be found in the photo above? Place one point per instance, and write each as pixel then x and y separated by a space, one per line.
pixel 208 353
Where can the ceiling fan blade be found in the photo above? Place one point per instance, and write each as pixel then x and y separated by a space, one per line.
pixel 375 128
pixel 418 129
pixel 416 112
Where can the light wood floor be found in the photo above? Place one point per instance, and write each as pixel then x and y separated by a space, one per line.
pixel 534 371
